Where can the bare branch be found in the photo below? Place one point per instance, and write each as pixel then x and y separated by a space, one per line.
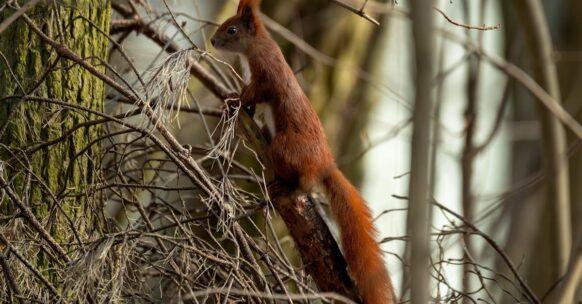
pixel 467 26
pixel 359 12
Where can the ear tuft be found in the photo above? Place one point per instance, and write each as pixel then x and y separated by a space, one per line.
pixel 252 4
pixel 247 16
pixel 248 10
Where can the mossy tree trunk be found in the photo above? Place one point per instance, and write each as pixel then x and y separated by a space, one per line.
pixel 51 179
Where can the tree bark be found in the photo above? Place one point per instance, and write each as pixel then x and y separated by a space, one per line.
pixel 60 172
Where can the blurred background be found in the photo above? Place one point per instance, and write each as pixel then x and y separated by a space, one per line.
pixel 500 160
pixel 488 141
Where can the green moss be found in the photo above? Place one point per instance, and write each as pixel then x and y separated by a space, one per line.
pixel 31 123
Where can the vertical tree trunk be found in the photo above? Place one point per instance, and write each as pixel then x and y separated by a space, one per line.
pixel 67 168
pixel 468 154
pixel 418 213
pixel 571 77
pixel 556 237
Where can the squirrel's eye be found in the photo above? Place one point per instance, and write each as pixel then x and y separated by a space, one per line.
pixel 231 30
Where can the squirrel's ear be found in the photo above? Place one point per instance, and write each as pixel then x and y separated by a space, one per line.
pixel 247 15
pixel 253 4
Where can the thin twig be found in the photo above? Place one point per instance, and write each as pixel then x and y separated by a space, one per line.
pixel 9 276
pixel 26 7
pixel 31 218
pixel 531 295
pixel 358 12
pixel 467 26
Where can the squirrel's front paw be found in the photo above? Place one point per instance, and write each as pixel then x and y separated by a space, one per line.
pixel 231 103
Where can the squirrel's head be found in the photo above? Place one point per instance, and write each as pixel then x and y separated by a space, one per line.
pixel 237 33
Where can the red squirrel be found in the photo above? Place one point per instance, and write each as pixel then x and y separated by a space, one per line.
pixel 299 150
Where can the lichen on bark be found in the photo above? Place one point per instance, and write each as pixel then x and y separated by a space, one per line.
pixel 30 67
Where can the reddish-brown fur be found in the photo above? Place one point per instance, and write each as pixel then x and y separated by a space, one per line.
pixel 299 149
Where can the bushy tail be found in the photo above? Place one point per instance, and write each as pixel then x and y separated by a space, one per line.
pixel 361 251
